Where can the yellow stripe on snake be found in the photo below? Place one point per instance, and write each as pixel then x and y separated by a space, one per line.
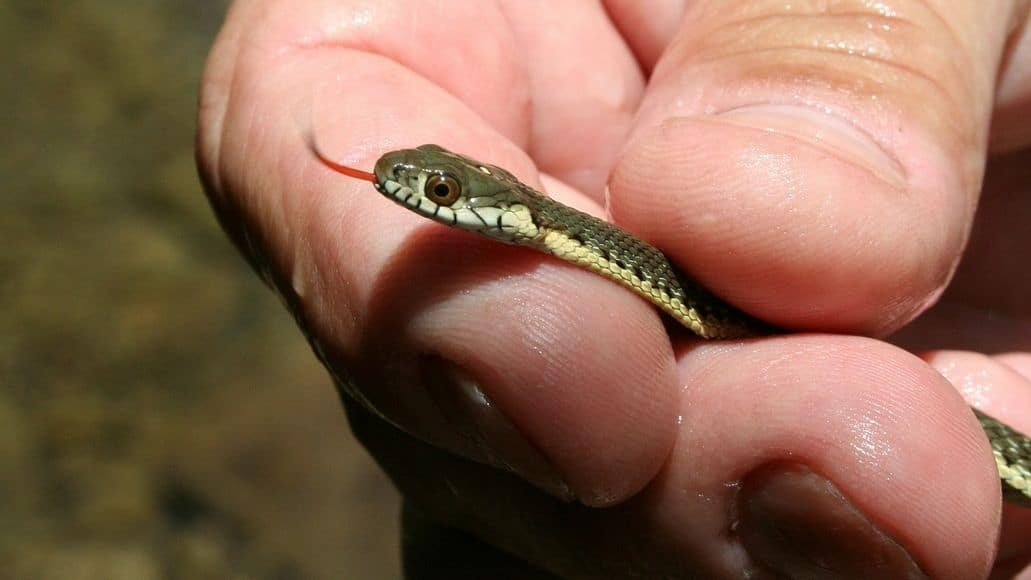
pixel 460 192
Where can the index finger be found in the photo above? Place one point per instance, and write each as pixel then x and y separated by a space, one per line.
pixel 398 306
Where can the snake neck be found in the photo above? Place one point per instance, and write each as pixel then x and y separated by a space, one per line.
pixel 611 251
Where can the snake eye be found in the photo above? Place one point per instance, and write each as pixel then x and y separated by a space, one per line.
pixel 442 189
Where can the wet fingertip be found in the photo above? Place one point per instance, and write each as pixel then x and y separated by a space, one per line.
pixel 798 217
pixel 823 130
pixel 797 523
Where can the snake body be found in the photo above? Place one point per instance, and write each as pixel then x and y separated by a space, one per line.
pixel 460 192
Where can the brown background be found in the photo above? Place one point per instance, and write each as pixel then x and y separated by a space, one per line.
pixel 160 415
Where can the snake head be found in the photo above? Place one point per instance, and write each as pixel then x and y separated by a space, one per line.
pixel 456 191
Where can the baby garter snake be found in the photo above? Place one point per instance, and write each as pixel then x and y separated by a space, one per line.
pixel 457 191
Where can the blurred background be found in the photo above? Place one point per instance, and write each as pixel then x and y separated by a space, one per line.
pixel 160 414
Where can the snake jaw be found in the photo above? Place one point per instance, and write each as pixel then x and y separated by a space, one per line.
pixel 502 221
pixel 411 196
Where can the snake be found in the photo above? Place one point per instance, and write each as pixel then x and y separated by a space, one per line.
pixel 460 192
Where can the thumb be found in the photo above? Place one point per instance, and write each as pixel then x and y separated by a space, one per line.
pixel 818 165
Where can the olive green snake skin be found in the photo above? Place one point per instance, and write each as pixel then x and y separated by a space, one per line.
pixel 460 192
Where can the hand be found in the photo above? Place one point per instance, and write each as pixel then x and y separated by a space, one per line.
pixel 819 169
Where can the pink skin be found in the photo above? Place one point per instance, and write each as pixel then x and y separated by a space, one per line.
pixel 850 221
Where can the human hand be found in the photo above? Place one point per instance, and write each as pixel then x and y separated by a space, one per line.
pixel 817 169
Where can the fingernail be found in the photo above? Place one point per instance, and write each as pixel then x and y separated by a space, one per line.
pixel 798 524
pixel 482 432
pixel 825 130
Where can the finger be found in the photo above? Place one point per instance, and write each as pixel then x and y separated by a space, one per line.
pixel 581 108
pixel 995 386
pixel 722 508
pixel 1011 120
pixel 1020 362
pixel 871 420
pixel 819 166
pixel 485 350
pixel 648 27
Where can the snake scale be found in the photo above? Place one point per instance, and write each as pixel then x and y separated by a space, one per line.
pixel 459 192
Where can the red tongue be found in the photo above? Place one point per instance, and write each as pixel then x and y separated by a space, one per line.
pixel 348 171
